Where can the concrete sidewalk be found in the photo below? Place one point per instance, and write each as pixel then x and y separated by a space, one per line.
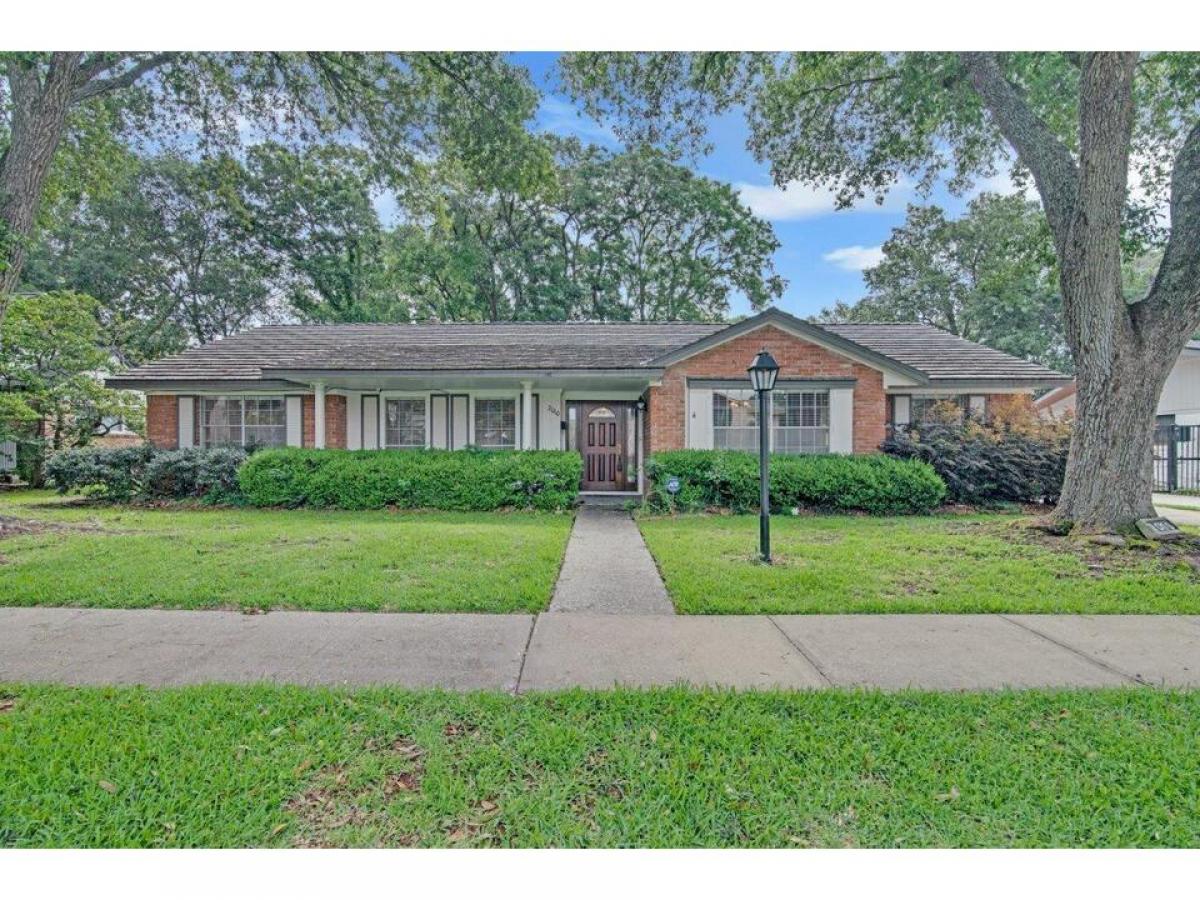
pixel 561 650
pixel 1182 509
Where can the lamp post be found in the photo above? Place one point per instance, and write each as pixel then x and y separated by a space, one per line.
pixel 763 372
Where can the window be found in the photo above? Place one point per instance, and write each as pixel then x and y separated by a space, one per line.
pixel 936 409
pixel 800 421
pixel 405 423
pixel 243 421
pixel 735 424
pixel 496 423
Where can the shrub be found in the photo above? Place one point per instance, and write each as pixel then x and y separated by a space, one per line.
pixel 989 463
pixel 142 472
pixel 729 479
pixel 412 479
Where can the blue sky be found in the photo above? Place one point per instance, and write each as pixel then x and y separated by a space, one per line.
pixel 822 250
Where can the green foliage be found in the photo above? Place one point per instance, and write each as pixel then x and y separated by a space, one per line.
pixel 989 276
pixel 144 473
pixel 50 353
pixel 412 479
pixel 986 463
pixel 729 479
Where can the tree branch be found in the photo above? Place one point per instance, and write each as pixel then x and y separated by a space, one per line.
pixel 94 87
pixel 1054 169
pixel 1176 287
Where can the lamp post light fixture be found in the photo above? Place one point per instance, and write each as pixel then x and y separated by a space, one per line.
pixel 763 372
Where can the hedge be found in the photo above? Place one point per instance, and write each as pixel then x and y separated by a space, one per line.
pixel 142 472
pixel 729 479
pixel 435 479
pixel 984 464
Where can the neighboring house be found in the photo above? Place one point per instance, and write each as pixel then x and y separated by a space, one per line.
pixel 614 392
pixel 1177 438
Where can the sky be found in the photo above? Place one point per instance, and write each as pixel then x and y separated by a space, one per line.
pixel 822 250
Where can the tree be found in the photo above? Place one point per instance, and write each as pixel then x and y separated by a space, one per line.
pixel 50 360
pixel 861 122
pixel 402 107
pixel 172 253
pixel 610 237
pixel 988 276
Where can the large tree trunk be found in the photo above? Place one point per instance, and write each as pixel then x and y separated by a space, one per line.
pixel 39 115
pixel 1110 469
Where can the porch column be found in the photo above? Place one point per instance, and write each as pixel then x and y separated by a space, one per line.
pixel 319 415
pixel 527 415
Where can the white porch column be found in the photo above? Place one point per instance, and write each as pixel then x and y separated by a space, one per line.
pixel 319 415
pixel 527 415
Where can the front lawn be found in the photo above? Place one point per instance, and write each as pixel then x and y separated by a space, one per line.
pixel 226 766
pixel 64 553
pixel 944 564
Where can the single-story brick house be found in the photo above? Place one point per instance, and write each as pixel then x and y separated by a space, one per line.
pixel 612 391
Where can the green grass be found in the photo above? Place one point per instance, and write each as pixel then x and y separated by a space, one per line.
pixel 946 564
pixel 96 555
pixel 273 766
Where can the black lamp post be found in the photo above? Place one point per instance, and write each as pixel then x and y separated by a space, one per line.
pixel 763 372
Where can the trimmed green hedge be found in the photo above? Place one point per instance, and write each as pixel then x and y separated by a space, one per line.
pixel 127 473
pixel 477 480
pixel 729 479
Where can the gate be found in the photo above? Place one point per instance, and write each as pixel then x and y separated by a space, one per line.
pixel 1176 457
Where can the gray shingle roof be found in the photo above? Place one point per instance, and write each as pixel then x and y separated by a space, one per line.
pixel 257 353
pixel 939 354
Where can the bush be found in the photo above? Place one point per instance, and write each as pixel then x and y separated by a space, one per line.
pixel 142 472
pixel 985 464
pixel 729 479
pixel 434 479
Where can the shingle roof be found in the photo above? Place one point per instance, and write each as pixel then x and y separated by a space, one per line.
pixel 939 354
pixel 257 353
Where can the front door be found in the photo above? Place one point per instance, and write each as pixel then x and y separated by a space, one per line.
pixel 602 441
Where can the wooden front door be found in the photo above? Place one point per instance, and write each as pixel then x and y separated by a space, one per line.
pixel 602 442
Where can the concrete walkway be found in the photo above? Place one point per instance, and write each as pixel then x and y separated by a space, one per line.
pixel 1182 509
pixel 607 568
pixel 561 650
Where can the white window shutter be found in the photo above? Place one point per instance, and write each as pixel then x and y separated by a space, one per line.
pixel 841 420
pixel 370 422
pixel 353 421
pixel 295 428
pixel 977 405
pixel 901 409
pixel 187 419
pixel 439 421
pixel 699 427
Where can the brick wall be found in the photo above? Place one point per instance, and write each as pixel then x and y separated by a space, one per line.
pixel 335 421
pixel 162 420
pixel 666 424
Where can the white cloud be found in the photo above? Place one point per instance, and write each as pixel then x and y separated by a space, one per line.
pixel 856 258
pixel 801 201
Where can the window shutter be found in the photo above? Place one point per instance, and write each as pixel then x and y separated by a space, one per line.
pixel 699 426
pixel 841 420
pixel 187 422
pixel 353 421
pixel 439 422
pixel 977 406
pixel 370 422
pixel 295 425
pixel 901 409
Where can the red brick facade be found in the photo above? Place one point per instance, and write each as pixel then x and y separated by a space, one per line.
pixel 162 420
pixel 666 421
pixel 335 421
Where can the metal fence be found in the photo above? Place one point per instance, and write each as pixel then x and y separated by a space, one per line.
pixel 1177 457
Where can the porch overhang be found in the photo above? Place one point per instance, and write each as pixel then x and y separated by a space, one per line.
pixel 616 380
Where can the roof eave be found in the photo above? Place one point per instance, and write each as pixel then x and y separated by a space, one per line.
pixel 800 328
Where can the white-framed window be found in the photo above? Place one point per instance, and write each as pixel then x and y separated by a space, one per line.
pixel 243 421
pixel 496 423
pixel 734 420
pixel 800 421
pixel 404 422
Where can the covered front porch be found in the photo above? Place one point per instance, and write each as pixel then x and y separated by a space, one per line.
pixel 600 414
